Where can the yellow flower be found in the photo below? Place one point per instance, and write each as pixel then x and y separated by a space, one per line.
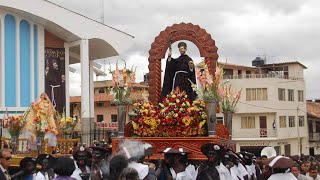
pixel 204 116
pixel 175 115
pixel 146 105
pixel 173 96
pixel 192 109
pixel 177 101
pixel 141 110
pixel 134 125
pixel 185 96
pixel 161 105
pixel 188 104
pixel 69 120
pixel 181 109
pixel 202 123
pixel 195 102
pixel 135 105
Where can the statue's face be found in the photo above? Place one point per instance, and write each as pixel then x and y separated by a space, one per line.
pixel 43 96
pixel 182 50
pixel 55 65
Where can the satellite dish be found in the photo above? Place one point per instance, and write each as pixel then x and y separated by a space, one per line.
pixel 269 152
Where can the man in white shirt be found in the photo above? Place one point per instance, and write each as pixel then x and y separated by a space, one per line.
pixel 5 162
pixel 313 173
pixel 295 170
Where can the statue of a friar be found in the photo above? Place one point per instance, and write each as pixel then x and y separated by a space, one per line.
pixel 178 73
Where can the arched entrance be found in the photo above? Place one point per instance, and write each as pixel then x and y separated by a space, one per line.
pixel 177 32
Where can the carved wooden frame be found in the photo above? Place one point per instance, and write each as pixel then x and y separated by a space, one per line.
pixel 177 32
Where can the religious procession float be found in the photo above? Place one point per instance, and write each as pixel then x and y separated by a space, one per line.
pixel 180 114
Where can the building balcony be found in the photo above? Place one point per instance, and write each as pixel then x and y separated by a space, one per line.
pixel 313 137
pixel 254 133
pixel 258 76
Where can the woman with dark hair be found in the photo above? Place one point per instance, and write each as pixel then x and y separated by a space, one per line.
pixel 64 168
pixel 129 174
pixel 117 164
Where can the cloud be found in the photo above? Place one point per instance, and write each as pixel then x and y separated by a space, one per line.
pixel 283 30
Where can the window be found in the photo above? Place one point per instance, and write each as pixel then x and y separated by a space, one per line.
pixel 283 121
pixel 292 121
pixel 248 122
pixel 114 118
pixel 101 90
pixel 290 95
pixel 282 94
pixel 287 150
pixel 301 121
pixel 248 74
pixel 300 96
pixel 253 94
pixel 99 118
pixel 219 120
pixel 278 149
pixel 100 104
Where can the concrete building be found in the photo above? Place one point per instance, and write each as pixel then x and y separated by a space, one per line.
pixel 105 115
pixel 272 107
pixel 313 117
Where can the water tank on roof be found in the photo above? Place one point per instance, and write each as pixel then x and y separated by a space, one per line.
pixel 146 77
pixel 258 61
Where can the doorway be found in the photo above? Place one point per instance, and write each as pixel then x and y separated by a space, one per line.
pixel 263 126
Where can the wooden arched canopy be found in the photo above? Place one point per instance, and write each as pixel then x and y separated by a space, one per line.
pixel 177 32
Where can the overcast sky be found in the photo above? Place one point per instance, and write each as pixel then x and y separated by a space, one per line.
pixel 282 30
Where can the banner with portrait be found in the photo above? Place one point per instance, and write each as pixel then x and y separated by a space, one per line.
pixel 55 77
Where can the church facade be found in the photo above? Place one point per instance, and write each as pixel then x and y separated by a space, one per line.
pixel 22 65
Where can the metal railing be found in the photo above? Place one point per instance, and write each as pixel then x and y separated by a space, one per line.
pixel 258 76
pixel 314 136
pixel 254 133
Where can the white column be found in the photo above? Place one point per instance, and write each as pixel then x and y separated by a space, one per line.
pixel 85 80
pixel 2 83
pixel 66 76
pixel 32 62
pixel 41 61
pixel 91 89
pixel 17 62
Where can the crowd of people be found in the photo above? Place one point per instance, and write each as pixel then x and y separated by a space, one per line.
pixel 132 162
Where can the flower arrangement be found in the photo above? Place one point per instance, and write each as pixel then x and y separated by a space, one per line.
pixel 122 81
pixel 211 86
pixel 41 126
pixel 230 98
pixel 14 124
pixel 44 113
pixel 175 116
pixel 67 124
